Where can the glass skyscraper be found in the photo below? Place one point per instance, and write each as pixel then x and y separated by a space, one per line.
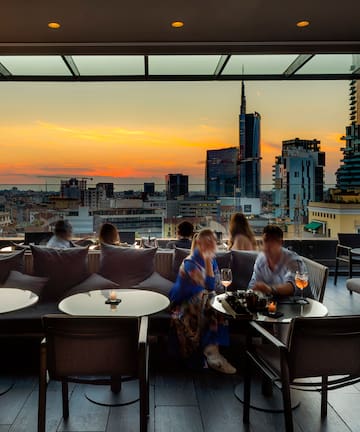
pixel 222 172
pixel 298 178
pixel 348 174
pixel 249 157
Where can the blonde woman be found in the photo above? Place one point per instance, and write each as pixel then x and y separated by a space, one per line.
pixel 199 329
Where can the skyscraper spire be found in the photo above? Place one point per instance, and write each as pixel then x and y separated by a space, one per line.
pixel 243 99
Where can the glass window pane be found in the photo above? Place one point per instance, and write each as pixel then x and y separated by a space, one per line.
pixel 35 65
pixel 328 64
pixel 183 64
pixel 258 64
pixel 110 65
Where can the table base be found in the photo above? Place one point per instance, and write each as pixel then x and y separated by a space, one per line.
pixel 6 384
pixel 268 403
pixel 102 395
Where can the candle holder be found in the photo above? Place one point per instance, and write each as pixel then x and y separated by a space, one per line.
pixel 113 302
pixel 112 299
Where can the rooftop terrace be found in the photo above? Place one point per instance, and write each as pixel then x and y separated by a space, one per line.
pixel 184 401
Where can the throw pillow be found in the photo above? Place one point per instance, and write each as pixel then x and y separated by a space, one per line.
pixel 14 261
pixel 65 268
pixel 25 282
pixel 126 266
pixel 93 282
pixel 156 283
pixel 242 268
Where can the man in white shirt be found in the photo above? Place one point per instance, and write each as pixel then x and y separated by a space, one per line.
pixel 62 236
pixel 275 267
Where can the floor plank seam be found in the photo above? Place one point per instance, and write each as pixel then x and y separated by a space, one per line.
pixel 198 402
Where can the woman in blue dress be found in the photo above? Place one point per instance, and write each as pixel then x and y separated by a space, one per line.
pixel 200 329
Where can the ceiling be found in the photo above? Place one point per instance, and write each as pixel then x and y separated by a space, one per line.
pixel 221 40
pixel 143 26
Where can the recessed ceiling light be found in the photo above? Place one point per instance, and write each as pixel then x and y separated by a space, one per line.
pixel 54 25
pixel 302 24
pixel 177 24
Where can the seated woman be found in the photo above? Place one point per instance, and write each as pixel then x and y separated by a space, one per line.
pixel 275 267
pixel 241 234
pixel 62 235
pixel 109 234
pixel 185 232
pixel 199 329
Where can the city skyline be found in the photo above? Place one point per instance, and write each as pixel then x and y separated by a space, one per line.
pixel 136 132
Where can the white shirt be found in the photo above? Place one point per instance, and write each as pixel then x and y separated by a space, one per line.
pixel 289 263
pixel 58 243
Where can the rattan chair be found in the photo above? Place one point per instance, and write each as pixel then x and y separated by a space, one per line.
pixel 312 351
pixel 99 347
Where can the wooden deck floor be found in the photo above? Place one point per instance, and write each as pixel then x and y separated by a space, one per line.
pixel 182 401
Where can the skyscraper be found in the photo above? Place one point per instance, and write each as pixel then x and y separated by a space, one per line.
pixel 176 185
pixel 348 174
pixel 221 172
pixel 298 178
pixel 249 157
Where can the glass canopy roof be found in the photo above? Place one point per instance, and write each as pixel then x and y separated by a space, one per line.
pixel 179 67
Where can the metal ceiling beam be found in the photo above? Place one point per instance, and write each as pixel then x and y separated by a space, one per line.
pixel 71 65
pixel 4 71
pixel 149 48
pixel 146 66
pixel 297 64
pixel 171 78
pixel 223 61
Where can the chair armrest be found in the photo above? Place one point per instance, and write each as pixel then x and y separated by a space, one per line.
pixel 268 336
pixel 143 331
pixel 343 248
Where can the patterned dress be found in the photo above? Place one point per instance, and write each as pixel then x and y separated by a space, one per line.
pixel 195 322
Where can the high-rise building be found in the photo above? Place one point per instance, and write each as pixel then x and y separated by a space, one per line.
pixel 108 188
pixel 298 178
pixel 250 156
pixel 222 172
pixel 348 174
pixel 73 188
pixel 149 188
pixel 176 185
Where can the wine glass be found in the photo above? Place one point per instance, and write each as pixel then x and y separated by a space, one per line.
pixel 226 277
pixel 301 281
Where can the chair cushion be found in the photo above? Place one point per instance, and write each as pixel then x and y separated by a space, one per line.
pixel 25 282
pixel 14 261
pixel 353 284
pixel 223 260
pixel 242 268
pixel 65 268
pixel 156 283
pixel 93 282
pixel 126 267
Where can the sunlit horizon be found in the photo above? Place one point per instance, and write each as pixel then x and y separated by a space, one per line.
pixel 129 133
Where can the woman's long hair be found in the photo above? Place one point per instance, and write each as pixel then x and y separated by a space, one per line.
pixel 109 234
pixel 240 225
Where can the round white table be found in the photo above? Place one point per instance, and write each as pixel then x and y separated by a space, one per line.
pixel 12 299
pixel 290 310
pixel 134 303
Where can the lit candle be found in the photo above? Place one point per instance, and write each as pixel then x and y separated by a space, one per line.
pixel 113 295
pixel 272 307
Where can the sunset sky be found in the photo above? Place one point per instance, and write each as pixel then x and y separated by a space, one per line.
pixel 135 132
